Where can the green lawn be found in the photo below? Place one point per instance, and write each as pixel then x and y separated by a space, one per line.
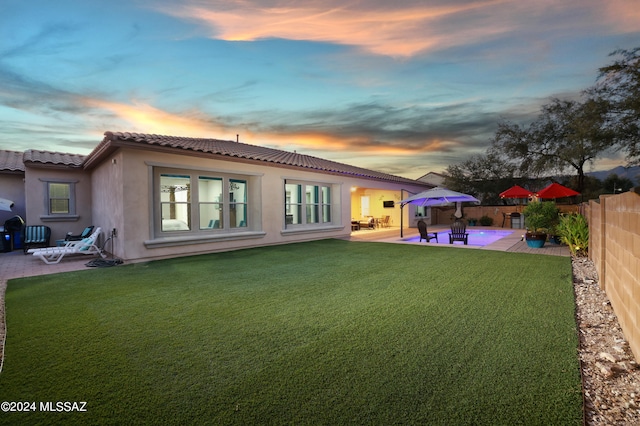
pixel 328 332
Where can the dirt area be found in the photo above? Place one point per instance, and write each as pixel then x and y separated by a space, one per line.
pixel 611 377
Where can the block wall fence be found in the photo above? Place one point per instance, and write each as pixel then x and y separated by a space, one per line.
pixel 614 248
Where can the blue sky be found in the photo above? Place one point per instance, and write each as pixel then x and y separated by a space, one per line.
pixel 404 87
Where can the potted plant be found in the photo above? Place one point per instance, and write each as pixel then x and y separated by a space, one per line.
pixel 472 221
pixel 539 218
pixel 554 235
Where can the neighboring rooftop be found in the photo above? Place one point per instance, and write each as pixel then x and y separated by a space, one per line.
pixel 433 178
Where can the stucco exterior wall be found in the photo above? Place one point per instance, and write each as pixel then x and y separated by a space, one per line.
pixel 12 188
pixel 123 198
pixel 36 200
pixel 107 203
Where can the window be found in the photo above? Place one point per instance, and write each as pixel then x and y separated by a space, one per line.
pixel 175 202
pixel 422 211
pixel 326 204
pixel 59 198
pixel 238 203
pixel 293 206
pixel 195 202
pixel 312 199
pixel 312 203
pixel 210 202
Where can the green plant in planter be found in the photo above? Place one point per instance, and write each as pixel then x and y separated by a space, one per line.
pixel 573 230
pixel 486 221
pixel 472 221
pixel 540 217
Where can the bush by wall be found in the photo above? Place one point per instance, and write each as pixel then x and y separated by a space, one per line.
pixel 573 231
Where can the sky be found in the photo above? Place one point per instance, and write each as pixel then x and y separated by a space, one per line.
pixel 403 87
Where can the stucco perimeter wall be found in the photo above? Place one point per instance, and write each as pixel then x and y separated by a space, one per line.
pixel 123 198
pixel 614 247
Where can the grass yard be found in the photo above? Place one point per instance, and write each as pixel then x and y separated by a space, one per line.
pixel 328 332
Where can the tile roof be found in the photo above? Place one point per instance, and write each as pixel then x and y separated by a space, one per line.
pixel 54 158
pixel 11 161
pixel 248 152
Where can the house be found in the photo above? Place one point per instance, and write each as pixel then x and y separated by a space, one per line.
pixel 433 178
pixel 165 196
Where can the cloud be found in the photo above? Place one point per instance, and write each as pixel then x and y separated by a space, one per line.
pixel 394 31
pixel 624 14
pixel 401 29
pixel 48 41
pixel 365 128
pixel 145 118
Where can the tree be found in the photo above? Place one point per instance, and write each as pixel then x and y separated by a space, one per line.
pixel 483 176
pixel 615 184
pixel 619 87
pixel 566 135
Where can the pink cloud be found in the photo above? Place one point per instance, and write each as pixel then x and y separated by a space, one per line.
pixel 394 31
pixel 148 119
pixel 398 29
pixel 145 118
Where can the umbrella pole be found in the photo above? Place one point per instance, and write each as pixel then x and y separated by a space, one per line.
pixel 401 211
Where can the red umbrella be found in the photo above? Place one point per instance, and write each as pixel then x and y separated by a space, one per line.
pixel 555 190
pixel 516 191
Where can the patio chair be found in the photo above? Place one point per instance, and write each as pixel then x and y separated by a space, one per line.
pixel 458 232
pixel 35 235
pixel 84 234
pixel 386 222
pixel 424 235
pixel 52 255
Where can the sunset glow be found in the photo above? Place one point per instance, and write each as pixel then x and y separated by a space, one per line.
pixel 401 87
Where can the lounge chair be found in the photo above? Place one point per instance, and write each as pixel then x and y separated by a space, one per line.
pixel 51 255
pixel 458 232
pixel 84 234
pixel 35 235
pixel 424 235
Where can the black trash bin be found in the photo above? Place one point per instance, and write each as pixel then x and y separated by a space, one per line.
pixel 14 227
pixel 5 243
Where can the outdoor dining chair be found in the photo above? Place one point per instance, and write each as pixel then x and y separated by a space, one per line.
pixel 424 235
pixel 458 232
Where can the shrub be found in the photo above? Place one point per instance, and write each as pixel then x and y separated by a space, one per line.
pixel 574 232
pixel 486 220
pixel 541 216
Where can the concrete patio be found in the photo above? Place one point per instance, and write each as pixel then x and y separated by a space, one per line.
pixel 510 243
